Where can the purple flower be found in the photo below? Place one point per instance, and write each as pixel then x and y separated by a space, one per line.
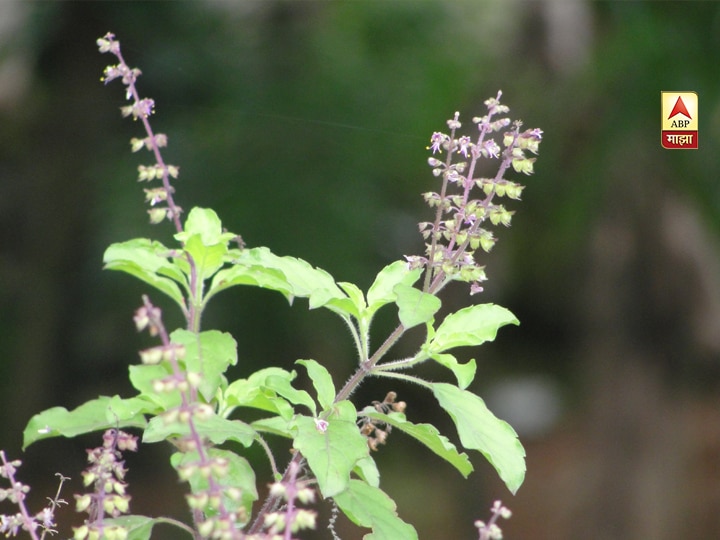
pixel 465 144
pixel 143 108
pixel 491 147
pixel 321 425
pixel 46 517
pixel 436 141
pixel 111 73
pixel 475 288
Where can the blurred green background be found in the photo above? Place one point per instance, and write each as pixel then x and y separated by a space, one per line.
pixel 304 124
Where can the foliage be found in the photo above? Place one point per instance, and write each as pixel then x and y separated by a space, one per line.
pixel 185 397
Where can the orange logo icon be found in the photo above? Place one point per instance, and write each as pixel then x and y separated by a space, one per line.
pixel 679 122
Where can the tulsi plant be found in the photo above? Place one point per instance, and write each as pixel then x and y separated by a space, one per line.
pixel 184 396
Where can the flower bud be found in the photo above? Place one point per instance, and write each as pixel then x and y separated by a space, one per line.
pixel 174 351
pixel 170 416
pixel 453 123
pixel 141 319
pixel 304 519
pixel 136 144
pixel 233 493
pixel 151 356
pixel 155 195
pixel 400 406
pixel 88 478
pixel 197 501
pixel 125 441
pixel 185 472
pixel 206 528
pixel 116 533
pixel 109 505
pixel 122 503
pixel 80 533
pixel 203 411
pixel 277 490
pixel 205 470
pixel 157 215
pixel 487 241
pixel 103 45
pixel 220 466
pixel 306 495
pixel 82 502
pixel 194 378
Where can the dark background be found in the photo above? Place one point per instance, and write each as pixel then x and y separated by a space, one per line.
pixel 305 126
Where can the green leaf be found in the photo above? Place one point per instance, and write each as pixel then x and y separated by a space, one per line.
pixel 322 381
pixel 426 434
pixel 282 386
pixel 240 475
pixel 366 469
pixel 205 241
pixel 274 426
pixel 260 376
pixel 479 429
pixel 215 428
pixel 356 297
pixel 382 291
pixel 209 353
pixel 137 527
pixel 333 453
pixel 261 391
pixel 247 393
pixel 207 259
pixel 309 282
pixel 301 279
pixel 254 275
pixel 134 408
pixel 464 373
pixel 204 223
pixel 470 326
pixel 369 506
pixel 415 307
pixel 148 261
pixel 94 415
